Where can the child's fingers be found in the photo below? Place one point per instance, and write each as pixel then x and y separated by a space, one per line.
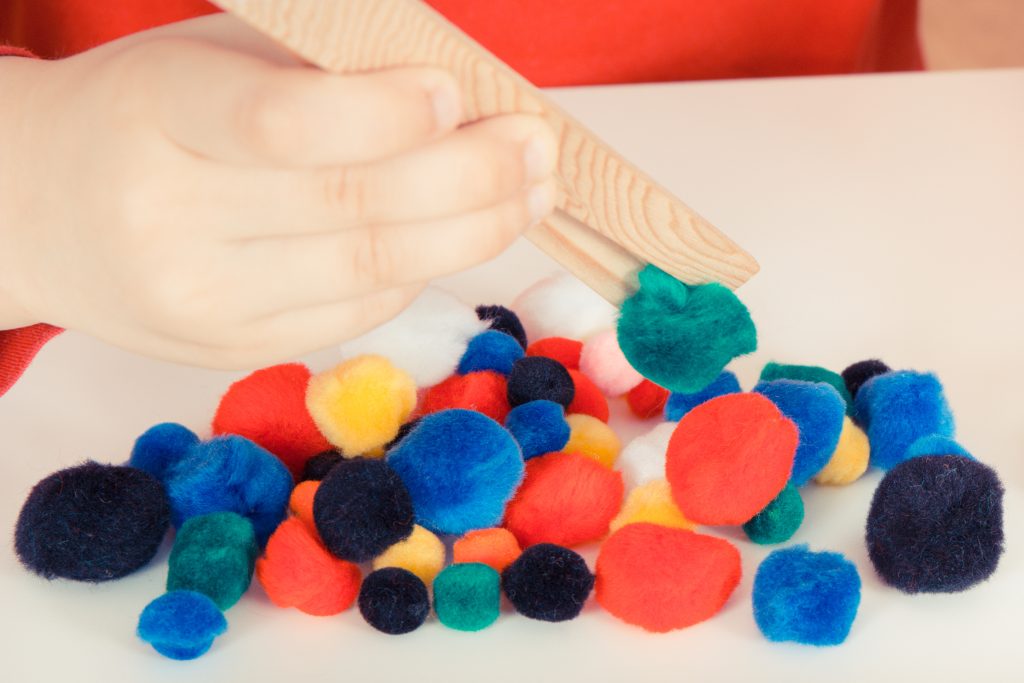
pixel 318 269
pixel 236 108
pixel 474 168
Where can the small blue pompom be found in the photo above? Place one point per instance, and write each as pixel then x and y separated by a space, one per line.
pixel 490 350
pixel 806 597
pixel 679 404
pixel 933 444
pixel 539 427
pixel 181 624
pixel 161 446
pixel 230 474
pixel 898 408
pixel 818 410
pixel 461 468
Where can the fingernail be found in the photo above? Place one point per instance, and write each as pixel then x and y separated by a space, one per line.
pixel 539 156
pixel 540 201
pixel 447 109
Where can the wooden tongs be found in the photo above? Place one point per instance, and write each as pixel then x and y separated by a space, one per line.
pixel 611 218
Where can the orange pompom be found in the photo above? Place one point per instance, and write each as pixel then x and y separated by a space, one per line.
pixel 301 502
pixel 647 400
pixel 565 351
pixel 729 457
pixel 296 570
pixel 497 548
pixel 565 499
pixel 485 392
pixel 269 407
pixel 662 579
pixel 588 399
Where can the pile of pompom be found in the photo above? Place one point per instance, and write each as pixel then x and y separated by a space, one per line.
pixel 484 435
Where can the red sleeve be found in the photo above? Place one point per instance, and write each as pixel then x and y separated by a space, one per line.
pixel 18 347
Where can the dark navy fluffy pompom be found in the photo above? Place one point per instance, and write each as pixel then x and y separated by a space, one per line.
pixel 857 374
pixel 503 320
pixel 394 601
pixel 936 524
pixel 317 467
pixel 92 522
pixel 361 508
pixel 548 582
pixel 536 378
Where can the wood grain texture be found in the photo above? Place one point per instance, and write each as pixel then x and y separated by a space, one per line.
pixel 639 220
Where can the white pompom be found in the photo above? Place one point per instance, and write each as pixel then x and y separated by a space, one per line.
pixel 426 340
pixel 643 458
pixel 562 306
pixel 603 362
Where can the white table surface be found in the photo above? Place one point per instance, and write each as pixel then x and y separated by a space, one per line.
pixel 888 216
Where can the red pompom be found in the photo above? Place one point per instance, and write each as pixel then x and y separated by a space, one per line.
pixel 565 499
pixel 662 579
pixel 588 399
pixel 269 407
pixel 729 457
pixel 647 400
pixel 296 570
pixel 565 351
pixel 485 392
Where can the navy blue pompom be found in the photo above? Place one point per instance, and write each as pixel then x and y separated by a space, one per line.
pixel 536 378
pixel 818 410
pixel 806 597
pixel 394 601
pixel 679 404
pixel 898 408
pixel 460 468
pixel 161 447
pixel 503 320
pixel 230 474
pixel 490 350
pixel 92 522
pixel 317 467
pixel 181 624
pixel 361 508
pixel 548 582
pixel 856 375
pixel 936 524
pixel 539 427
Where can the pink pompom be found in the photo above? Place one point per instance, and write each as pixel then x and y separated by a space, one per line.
pixel 603 362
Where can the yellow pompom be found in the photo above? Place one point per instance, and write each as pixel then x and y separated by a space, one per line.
pixel 360 404
pixel 850 459
pixel 591 437
pixel 652 503
pixel 422 554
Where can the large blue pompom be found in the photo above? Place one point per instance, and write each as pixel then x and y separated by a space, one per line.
pixel 490 350
pixel 539 427
pixel 679 404
pixel 806 597
pixel 461 468
pixel 818 410
pixel 230 474
pixel 181 624
pixel 898 408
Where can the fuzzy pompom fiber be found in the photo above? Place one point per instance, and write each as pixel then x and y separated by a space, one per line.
pixel 467 597
pixel 460 468
pixel 394 601
pixel 214 555
pixel 539 427
pixel 806 597
pixel 92 522
pixel 490 350
pixel 548 583
pixel 681 336
pixel 936 524
pixel 818 410
pixel 678 404
pixel 181 624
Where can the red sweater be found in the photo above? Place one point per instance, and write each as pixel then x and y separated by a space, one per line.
pixel 551 42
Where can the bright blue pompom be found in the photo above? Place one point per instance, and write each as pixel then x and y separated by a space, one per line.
pixel 181 624
pixel 898 408
pixel 490 350
pixel 161 446
pixel 678 404
pixel 461 468
pixel 230 474
pixel 806 597
pixel 818 410
pixel 933 444
pixel 539 427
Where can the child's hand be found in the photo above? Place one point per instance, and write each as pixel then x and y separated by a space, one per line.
pixel 194 194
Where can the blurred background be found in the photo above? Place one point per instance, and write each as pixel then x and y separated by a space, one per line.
pixel 972 34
